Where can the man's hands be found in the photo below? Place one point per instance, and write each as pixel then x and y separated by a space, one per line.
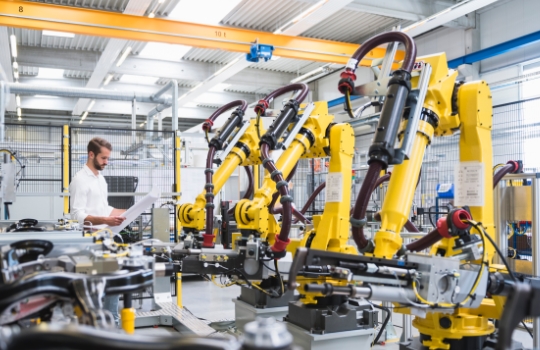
pixel 104 220
pixel 114 220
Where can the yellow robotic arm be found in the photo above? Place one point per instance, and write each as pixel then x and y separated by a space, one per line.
pixel 193 216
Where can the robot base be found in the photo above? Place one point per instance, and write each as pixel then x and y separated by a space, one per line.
pixel 339 316
pixel 358 339
pixel 244 313
pixel 466 343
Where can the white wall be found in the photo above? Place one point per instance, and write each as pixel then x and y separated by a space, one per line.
pixel 508 21
pixel 449 40
pixel 505 94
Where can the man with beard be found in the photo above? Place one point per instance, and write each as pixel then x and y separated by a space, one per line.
pixel 88 199
pixel 88 189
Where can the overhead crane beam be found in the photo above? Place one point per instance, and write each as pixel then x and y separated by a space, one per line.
pixel 82 21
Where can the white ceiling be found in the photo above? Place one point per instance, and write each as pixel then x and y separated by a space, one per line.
pixel 78 56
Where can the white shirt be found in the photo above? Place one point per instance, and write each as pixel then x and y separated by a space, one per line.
pixel 88 195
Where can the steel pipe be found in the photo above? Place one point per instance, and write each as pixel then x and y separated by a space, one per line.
pixel 23 89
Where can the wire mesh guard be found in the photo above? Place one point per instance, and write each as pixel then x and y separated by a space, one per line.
pixel 140 160
pixel 39 150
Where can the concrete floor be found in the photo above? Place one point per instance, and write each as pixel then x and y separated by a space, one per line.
pixel 209 302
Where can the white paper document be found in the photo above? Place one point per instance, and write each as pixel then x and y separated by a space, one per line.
pixel 137 209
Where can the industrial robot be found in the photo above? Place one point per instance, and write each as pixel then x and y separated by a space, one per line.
pixel 296 133
pixel 446 279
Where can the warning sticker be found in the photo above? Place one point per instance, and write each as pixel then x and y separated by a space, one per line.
pixel 469 187
pixel 334 190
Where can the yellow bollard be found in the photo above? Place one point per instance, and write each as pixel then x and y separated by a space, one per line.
pixel 128 320
pixel 179 289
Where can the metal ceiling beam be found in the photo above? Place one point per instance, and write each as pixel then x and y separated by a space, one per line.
pixel 447 15
pixel 410 10
pixel 240 63
pixel 122 107
pixel 44 117
pixel 326 10
pixel 40 16
pixel 182 70
pixel 110 54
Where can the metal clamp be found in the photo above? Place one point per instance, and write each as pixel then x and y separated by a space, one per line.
pixel 299 124
pixel 414 119
pixel 358 222
pixel 222 155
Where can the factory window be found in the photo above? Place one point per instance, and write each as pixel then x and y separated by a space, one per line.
pixel 531 88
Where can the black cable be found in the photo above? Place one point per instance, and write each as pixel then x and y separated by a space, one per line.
pixel 279 277
pixel 258 125
pixel 514 278
pixel 386 320
pixel 348 106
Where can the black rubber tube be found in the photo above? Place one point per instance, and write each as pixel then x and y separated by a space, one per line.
pixel 208 236
pixel 276 194
pixel 282 238
pixel 362 202
pixel 510 167
pixel 433 237
pixel 207 125
pixel 389 37
pixel 310 200
pixel 302 89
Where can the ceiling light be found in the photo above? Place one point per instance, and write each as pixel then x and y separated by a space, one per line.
pixel 161 1
pixel 15 65
pixel 50 73
pixel 151 15
pixel 138 79
pixel 90 105
pixel 220 87
pixel 122 58
pixel 164 52
pixel 59 34
pixel 18 100
pixel 13 41
pixel 301 16
pixel 204 12
pixel 15 74
pixel 107 80
pixel 19 112
pixel 85 114
pixel 190 105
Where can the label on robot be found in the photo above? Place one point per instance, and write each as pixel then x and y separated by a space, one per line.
pixel 469 188
pixel 334 187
